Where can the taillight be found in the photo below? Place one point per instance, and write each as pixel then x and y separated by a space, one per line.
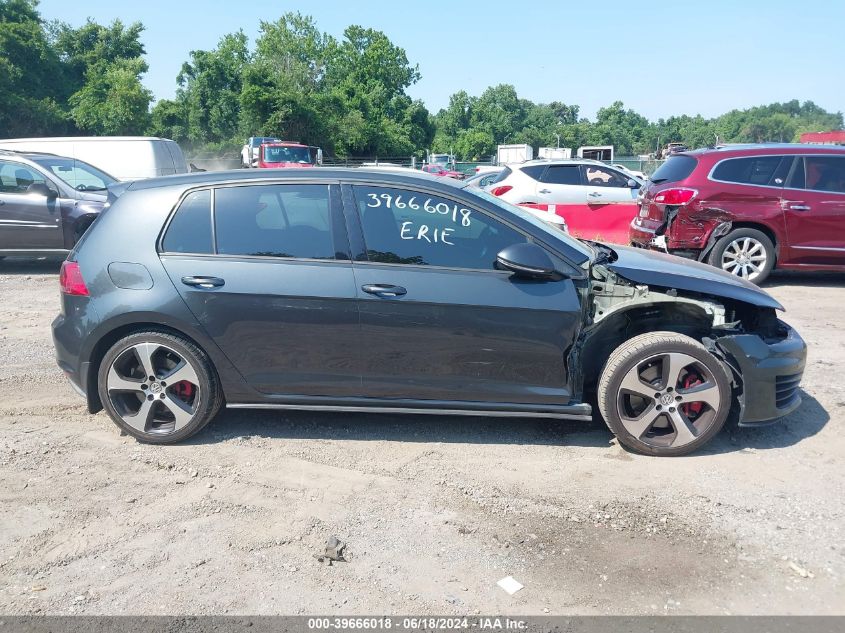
pixel 71 281
pixel 498 191
pixel 675 197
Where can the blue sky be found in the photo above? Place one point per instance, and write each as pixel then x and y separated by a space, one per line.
pixel 658 57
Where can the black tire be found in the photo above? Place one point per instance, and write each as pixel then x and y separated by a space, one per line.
pixel 717 255
pixel 646 353
pixel 203 406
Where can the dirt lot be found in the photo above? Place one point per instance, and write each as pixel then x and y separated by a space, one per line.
pixel 435 510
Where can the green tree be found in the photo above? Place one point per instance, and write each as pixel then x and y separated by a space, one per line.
pixel 31 88
pixel 209 94
pixel 113 101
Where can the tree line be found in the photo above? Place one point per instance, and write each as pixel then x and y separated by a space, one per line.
pixel 347 95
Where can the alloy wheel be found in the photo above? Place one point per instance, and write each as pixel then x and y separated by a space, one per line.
pixel 668 400
pixel 153 388
pixel 745 257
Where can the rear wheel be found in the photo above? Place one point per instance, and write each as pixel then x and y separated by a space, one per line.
pixel 746 253
pixel 158 387
pixel 664 394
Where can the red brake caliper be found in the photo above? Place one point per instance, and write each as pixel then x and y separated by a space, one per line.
pixel 691 409
pixel 184 390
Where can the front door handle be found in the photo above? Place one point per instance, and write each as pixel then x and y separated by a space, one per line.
pixel 203 282
pixel 594 194
pixel 545 191
pixel 799 207
pixel 384 290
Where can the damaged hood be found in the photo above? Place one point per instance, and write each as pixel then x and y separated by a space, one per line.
pixel 668 271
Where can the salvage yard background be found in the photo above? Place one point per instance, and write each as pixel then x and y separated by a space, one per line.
pixel 435 510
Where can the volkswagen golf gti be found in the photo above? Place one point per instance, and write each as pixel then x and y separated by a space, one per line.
pixel 354 290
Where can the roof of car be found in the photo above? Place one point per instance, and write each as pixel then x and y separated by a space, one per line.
pixel 767 148
pixel 316 173
pixel 559 161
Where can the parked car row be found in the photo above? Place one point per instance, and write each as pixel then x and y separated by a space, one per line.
pixel 747 209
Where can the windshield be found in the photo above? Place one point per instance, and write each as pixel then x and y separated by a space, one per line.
pixel 81 176
pixel 287 155
pixel 546 227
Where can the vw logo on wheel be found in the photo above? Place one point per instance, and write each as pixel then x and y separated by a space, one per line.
pixel 667 399
pixel 155 387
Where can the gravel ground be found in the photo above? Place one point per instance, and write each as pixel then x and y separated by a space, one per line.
pixel 434 510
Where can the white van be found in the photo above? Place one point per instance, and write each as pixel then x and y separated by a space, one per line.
pixel 124 157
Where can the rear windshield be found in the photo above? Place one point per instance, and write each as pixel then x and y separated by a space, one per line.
pixel 676 168
pixel 505 173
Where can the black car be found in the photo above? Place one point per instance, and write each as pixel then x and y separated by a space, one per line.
pixel 47 201
pixel 355 290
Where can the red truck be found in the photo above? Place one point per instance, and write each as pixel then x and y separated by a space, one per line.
pixel 288 154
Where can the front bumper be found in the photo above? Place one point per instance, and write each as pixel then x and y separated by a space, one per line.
pixel 770 373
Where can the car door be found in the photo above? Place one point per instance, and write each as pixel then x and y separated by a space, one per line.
pixel 610 205
pixel 438 321
pixel 265 269
pixel 813 204
pixel 560 184
pixel 28 220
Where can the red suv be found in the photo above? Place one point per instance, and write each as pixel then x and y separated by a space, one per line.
pixel 748 208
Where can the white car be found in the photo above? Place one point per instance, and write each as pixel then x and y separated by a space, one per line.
pixel 636 174
pixel 483 178
pixel 578 181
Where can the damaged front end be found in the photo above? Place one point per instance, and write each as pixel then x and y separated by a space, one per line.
pixel 764 356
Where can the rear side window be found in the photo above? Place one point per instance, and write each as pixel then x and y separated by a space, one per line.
pixel 276 221
pixel 190 228
pixel 563 175
pixel 675 169
pixel 825 173
pixel 754 170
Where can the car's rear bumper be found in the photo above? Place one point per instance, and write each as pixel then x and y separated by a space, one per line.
pixel 770 371
pixel 70 329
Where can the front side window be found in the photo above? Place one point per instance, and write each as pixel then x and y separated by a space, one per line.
pixel 754 170
pixel 292 220
pixel 16 178
pixel 411 227
pixel 825 173
pixel 596 176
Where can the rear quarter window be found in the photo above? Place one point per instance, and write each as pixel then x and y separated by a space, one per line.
pixel 754 170
pixel 190 229
pixel 675 169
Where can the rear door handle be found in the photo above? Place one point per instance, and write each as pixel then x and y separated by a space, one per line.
pixel 384 290
pixel 203 282
pixel 594 194
pixel 545 191
pixel 799 207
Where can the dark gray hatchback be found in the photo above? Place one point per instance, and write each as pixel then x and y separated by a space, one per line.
pixel 355 290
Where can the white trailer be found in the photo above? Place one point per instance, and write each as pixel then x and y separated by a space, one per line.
pixel 551 153
pixel 597 152
pixel 518 153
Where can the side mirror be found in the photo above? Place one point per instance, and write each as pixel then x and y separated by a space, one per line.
pixel 43 189
pixel 526 260
pixel 633 184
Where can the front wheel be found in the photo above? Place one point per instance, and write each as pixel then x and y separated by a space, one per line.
pixel 664 394
pixel 746 253
pixel 158 387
